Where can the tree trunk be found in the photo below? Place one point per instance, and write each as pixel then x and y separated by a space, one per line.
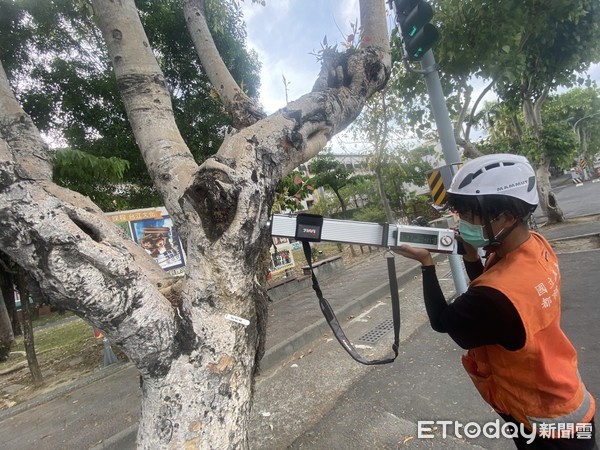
pixel 548 201
pixel 34 367
pixel 384 200
pixel 196 340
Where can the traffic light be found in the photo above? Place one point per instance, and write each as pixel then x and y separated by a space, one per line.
pixel 418 34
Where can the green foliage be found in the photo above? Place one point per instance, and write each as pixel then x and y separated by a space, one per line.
pixel 326 207
pixel 557 139
pixel 291 191
pixel 99 178
pixel 403 169
pixel 55 58
pixel 329 172
pixel 420 205
pixel 579 110
pixel 373 212
pixel 557 142
pixel 75 164
pixel 523 46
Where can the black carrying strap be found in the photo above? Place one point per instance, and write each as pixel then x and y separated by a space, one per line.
pixel 334 323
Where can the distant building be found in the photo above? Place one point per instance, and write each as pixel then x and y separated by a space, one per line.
pixel 358 162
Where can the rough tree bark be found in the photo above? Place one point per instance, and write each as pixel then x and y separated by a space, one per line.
pixel 196 365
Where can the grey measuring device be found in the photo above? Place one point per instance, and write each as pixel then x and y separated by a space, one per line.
pixel 316 228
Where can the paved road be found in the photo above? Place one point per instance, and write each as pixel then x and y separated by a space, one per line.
pixel 575 201
pixel 381 408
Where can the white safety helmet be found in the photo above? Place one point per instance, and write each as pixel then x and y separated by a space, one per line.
pixel 499 174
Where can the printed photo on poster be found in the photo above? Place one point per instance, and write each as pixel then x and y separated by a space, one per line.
pixel 152 229
pixel 160 240
pixel 282 258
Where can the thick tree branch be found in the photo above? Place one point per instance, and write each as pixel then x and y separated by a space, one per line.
pixel 83 263
pixel 22 136
pixel 79 259
pixel 476 104
pixel 147 102
pixel 242 109
pixel 463 110
pixel 539 103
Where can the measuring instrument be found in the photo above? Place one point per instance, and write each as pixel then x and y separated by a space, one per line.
pixel 310 227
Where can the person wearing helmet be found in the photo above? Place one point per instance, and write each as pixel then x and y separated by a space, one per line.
pixel 508 320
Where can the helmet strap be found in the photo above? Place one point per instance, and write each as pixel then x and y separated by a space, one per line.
pixel 495 240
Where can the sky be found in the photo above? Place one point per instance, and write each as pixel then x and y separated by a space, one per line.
pixel 284 33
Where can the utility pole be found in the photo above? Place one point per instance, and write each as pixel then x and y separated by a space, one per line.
pixel 419 35
pixel 448 143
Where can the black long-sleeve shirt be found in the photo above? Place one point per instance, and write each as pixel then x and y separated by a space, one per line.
pixel 480 316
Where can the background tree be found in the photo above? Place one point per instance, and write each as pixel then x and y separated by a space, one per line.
pixel 521 59
pixel 561 143
pixel 374 125
pixel 331 173
pixel 197 366
pixel 24 285
pixel 404 172
pixel 396 166
pixel 549 60
pixel 580 109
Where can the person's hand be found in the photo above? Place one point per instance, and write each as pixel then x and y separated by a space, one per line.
pixel 418 254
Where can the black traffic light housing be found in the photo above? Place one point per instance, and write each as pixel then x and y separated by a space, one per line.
pixel 418 34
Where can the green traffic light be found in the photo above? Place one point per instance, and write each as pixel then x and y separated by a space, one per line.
pixel 422 41
pixel 421 14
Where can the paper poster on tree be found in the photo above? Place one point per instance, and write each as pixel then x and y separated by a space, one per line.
pixel 282 257
pixel 153 230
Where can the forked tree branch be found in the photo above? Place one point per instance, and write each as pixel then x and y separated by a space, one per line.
pixel 242 109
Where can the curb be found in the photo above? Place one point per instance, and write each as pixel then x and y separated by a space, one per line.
pixel 572 238
pixel 122 440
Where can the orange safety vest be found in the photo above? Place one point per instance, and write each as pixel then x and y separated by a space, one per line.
pixel 538 383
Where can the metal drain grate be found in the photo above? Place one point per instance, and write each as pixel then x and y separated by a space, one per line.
pixel 378 332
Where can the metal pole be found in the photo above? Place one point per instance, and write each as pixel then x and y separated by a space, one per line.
pixel 448 142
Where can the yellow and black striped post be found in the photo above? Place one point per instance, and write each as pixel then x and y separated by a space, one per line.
pixel 436 185
pixel 439 180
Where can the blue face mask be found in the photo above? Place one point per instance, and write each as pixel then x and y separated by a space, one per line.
pixel 472 234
